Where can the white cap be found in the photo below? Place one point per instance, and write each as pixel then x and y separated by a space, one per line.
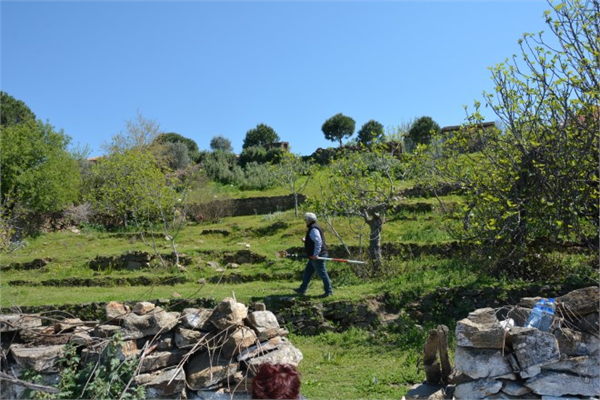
pixel 310 217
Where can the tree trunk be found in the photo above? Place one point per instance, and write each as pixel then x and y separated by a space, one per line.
pixel 296 204
pixel 376 225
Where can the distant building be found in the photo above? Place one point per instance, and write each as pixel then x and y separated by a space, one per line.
pixel 285 146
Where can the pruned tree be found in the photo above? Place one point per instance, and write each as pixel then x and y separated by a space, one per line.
pixel 338 127
pixel 362 185
pixel 536 181
pixel 293 174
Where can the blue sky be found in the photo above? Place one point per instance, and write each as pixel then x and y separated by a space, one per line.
pixel 202 68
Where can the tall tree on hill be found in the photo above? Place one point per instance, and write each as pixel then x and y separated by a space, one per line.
pixel 221 143
pixel 338 127
pixel 260 136
pixel 193 152
pixel 371 132
pixel 293 174
pixel 140 134
pixel 536 181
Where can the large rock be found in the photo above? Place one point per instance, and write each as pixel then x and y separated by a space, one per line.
pixel 581 366
pixel 533 347
pixel 477 389
pixel 206 370
pixel 512 388
pixel 239 340
pixel 163 383
pixel 481 363
pixel 115 311
pixel 156 321
pixel 228 313
pixel 15 322
pixel 260 349
pixel 188 338
pixel 481 329
pixel 575 343
pixel 161 359
pixel 284 354
pixel 143 307
pixel 196 318
pixel 265 325
pixel 589 323
pixel 561 384
pixel 42 359
pixel 579 303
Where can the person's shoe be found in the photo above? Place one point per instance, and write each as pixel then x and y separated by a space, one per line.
pixel 300 291
pixel 325 295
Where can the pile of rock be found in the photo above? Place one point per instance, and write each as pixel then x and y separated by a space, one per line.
pixel 199 353
pixel 495 360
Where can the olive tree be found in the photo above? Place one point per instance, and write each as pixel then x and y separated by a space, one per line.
pixel 535 182
pixel 260 136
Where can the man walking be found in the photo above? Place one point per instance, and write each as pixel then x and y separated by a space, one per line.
pixel 315 246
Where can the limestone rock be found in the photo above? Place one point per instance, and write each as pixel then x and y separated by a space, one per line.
pixel 15 322
pixel 514 389
pixel 481 363
pixel 589 323
pixel 481 329
pixel 158 320
pixel 41 359
pixel 261 348
pixel 143 308
pixel 579 302
pixel 187 338
pixel 560 384
pixel 239 340
pixel 196 318
pixel 162 383
pixel 576 343
pixel 115 311
pixel 265 324
pixel 105 331
pixel 228 313
pixel 581 366
pixel 207 370
pixel 260 307
pixel 161 359
pixel 284 354
pixel 477 389
pixel 533 347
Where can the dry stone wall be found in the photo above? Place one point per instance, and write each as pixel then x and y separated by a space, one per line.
pixel 196 353
pixel 496 361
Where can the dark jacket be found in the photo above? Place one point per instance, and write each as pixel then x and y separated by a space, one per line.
pixel 309 245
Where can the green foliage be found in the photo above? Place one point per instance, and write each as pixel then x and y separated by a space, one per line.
pixel 262 135
pixel 371 132
pixel 38 173
pixel 140 134
pixel 221 143
pixel 13 111
pixel 338 127
pixel 536 182
pixel 193 152
pixel 293 174
pixel 256 176
pixel 360 185
pixel 420 132
pixel 260 155
pixel 128 184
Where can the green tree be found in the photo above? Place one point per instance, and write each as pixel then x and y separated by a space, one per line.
pixel 338 127
pixel 535 182
pixel 361 185
pixel 262 135
pixel 221 143
pixel 293 174
pixel 421 132
pixel 126 184
pixel 13 111
pixel 371 132
pixel 172 137
pixel 38 173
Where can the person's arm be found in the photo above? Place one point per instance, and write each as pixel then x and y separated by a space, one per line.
pixel 316 238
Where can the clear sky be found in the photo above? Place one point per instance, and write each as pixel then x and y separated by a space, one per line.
pixel 203 68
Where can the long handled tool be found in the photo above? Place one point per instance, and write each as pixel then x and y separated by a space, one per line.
pixel 328 259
